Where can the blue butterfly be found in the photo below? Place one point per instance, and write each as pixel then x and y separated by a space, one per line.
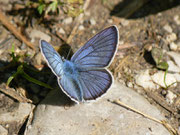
pixel 85 76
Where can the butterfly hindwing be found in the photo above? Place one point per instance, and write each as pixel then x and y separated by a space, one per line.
pixel 94 83
pixel 71 87
pixel 88 85
pixel 52 57
pixel 99 50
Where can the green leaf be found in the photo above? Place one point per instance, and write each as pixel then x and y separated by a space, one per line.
pixel 19 71
pixel 163 65
pixel 53 5
pixel 26 76
pixel 41 8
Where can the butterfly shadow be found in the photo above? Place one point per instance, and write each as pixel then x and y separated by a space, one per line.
pixel 133 9
pixel 56 96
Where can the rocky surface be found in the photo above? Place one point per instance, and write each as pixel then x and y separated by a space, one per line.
pixel 54 115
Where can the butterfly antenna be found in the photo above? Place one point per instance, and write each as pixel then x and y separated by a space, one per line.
pixel 68 53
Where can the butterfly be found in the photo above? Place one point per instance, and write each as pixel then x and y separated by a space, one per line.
pixel 84 77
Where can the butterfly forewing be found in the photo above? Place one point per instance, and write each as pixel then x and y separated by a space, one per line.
pixel 99 50
pixel 52 57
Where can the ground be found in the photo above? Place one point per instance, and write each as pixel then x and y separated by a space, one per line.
pixel 142 25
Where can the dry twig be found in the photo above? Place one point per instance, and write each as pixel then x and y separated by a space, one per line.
pixel 12 93
pixel 163 122
pixel 14 30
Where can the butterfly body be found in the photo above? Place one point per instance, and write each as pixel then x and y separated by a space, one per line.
pixel 84 77
pixel 69 68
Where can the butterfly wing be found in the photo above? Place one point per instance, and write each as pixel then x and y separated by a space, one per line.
pixel 89 85
pixel 95 83
pixel 52 57
pixel 71 87
pixel 99 50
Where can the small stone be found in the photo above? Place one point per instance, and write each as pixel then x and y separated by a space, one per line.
pixel 172 67
pixel 177 76
pixel 144 80
pixel 164 92
pixel 158 78
pixel 30 52
pixel 168 28
pixel 38 34
pixel 15 116
pixel 178 46
pixel 173 46
pixel 23 46
pixel 121 42
pixel 124 22
pixel 130 84
pixel 87 13
pixel 92 21
pixel 61 30
pixel 110 21
pixel 81 27
pixel 171 37
pixel 38 58
pixel 175 56
pixel 3 131
pixel 68 20
pixel 177 19
pixel 93 31
pixel 170 97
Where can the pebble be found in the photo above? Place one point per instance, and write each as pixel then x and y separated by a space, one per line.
pixel 177 19
pixel 175 56
pixel 178 46
pixel 3 131
pixel 110 21
pixel 93 31
pixel 30 52
pixel 173 46
pixel 61 30
pixel 15 116
pixel 92 21
pixel 171 37
pixel 81 27
pixel 158 78
pixel 168 28
pixel 173 67
pixel 23 46
pixel 144 80
pixel 68 20
pixel 170 97
pixel 177 76
pixel 124 22
pixel 87 13
pixel 38 58
pixel 38 34
pixel 130 84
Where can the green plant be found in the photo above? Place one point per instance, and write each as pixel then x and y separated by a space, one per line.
pixel 71 7
pixel 20 71
pixel 160 61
